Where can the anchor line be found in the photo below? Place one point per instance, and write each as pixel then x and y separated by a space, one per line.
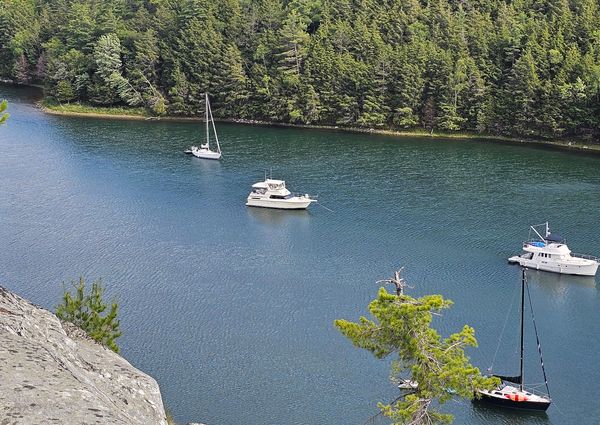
pixel 320 204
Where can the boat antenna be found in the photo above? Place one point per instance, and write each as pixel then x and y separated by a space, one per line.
pixel 538 233
pixel 537 339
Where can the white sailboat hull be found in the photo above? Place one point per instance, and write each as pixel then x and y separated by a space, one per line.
pixel 581 268
pixel 206 154
pixel 293 203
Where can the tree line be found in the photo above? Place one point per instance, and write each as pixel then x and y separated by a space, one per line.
pixel 527 68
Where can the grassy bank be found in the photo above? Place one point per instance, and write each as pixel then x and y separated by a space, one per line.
pixel 128 113
pixel 79 109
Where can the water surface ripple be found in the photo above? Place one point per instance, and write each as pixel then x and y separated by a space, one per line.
pixel 231 309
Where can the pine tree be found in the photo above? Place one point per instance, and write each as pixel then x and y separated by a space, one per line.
pixel 232 86
pixel 521 93
pixel 375 111
pixel 450 118
pixel 402 328
pixel 21 71
pixel 179 93
pixel 107 55
pixel 199 53
pixel 3 114
pixel 87 310
pixel 439 64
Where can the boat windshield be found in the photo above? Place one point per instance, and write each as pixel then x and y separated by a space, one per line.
pixel 537 244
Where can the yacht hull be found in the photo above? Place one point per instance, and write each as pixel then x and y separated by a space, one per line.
pixel 205 154
pixel 281 204
pixel 501 401
pixel 574 269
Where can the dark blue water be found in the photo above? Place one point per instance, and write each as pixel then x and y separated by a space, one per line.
pixel 231 309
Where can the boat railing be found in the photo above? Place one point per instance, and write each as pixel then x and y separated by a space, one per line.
pixel 536 389
pixel 585 256
pixel 301 195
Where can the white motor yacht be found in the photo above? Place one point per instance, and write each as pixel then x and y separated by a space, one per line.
pixel 273 194
pixel 550 253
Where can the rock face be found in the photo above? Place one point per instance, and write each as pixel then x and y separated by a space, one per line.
pixel 54 374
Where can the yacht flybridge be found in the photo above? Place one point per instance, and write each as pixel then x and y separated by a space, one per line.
pixel 550 253
pixel 273 194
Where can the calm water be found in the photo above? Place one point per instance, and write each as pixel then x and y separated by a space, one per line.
pixel 231 308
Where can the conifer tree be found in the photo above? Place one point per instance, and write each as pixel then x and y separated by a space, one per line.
pixel 87 310
pixel 528 68
pixel 521 93
pixel 401 327
pixel 3 114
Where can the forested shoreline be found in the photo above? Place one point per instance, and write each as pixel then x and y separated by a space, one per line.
pixel 527 68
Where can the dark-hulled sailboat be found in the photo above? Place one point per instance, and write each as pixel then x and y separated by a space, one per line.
pixel 512 392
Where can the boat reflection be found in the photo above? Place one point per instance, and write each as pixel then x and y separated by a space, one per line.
pixel 501 416
pixel 274 216
pixel 559 284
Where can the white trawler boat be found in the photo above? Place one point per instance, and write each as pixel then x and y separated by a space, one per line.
pixel 551 254
pixel 273 194
pixel 204 150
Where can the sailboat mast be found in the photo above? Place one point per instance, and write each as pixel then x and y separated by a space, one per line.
pixel 522 327
pixel 206 117
pixel 212 120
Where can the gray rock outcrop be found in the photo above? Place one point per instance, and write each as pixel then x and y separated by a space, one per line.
pixel 54 374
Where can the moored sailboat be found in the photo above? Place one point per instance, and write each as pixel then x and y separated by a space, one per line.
pixel 204 150
pixel 512 393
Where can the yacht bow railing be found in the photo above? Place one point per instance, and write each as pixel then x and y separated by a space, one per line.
pixel 585 256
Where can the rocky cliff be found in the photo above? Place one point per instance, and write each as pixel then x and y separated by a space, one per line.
pixel 52 373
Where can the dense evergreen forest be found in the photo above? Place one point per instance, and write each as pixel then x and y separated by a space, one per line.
pixel 511 67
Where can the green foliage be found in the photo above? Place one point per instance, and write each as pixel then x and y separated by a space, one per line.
pixel 402 327
pixel 526 68
pixel 169 418
pixel 64 91
pixel 3 115
pixel 87 310
pixel 107 55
